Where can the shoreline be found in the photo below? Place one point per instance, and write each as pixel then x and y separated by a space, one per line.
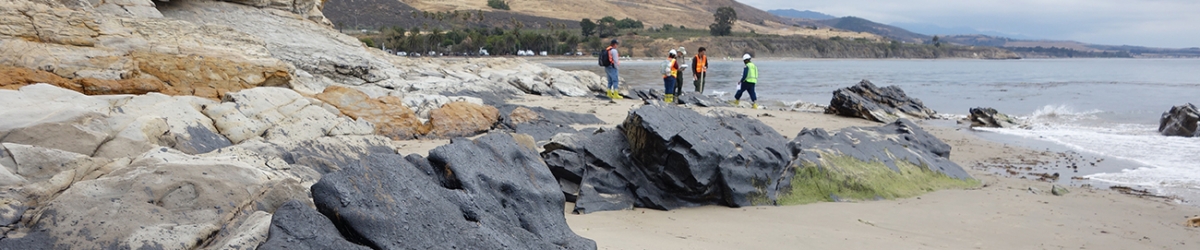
pixel 988 217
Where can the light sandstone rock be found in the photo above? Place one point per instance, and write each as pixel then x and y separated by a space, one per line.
pixel 460 119
pixel 277 114
pixel 390 117
pixel 147 54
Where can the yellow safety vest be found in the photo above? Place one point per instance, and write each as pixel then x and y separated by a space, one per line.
pixel 752 75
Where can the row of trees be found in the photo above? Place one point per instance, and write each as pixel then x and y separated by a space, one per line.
pixel 468 41
pixel 608 26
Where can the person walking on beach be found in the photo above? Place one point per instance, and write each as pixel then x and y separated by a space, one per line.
pixel 670 69
pixel 681 53
pixel 699 70
pixel 749 79
pixel 610 59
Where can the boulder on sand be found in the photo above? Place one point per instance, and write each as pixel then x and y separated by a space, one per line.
pixel 1180 121
pixel 867 163
pixel 667 157
pixel 877 104
pixel 990 118
pixel 490 193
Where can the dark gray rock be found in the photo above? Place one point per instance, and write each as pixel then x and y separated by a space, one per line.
pixel 547 122
pixel 899 141
pixel 666 157
pixel 699 100
pixel 1180 121
pixel 687 98
pixel 494 193
pixel 297 226
pixel 886 104
pixel 199 140
pixel 329 154
pixel 990 118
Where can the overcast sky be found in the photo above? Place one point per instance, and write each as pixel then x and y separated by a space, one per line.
pixel 1154 23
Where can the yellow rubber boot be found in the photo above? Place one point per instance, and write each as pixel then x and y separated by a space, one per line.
pixel 737 103
pixel 670 98
pixel 610 94
pixel 754 106
pixel 617 94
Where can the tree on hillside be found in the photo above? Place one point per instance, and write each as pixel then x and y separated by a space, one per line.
pixel 588 27
pixel 935 42
pixel 498 4
pixel 628 23
pixel 607 28
pixel 608 19
pixel 723 22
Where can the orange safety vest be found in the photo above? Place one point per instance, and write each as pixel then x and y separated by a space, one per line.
pixel 701 63
pixel 674 68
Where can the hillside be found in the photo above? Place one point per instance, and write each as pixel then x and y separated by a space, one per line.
pixel 863 25
pixel 373 14
pixel 807 14
pixel 654 13
pixel 1055 48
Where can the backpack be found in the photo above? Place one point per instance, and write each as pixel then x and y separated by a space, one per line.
pixel 604 58
pixel 666 68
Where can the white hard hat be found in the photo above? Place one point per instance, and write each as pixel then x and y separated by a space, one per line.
pixel 746 57
pixel 672 52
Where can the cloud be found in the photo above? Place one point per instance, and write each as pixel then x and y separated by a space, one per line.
pixel 1158 23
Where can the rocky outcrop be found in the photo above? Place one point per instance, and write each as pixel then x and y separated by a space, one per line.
pixel 155 164
pixel 885 104
pixel 490 193
pixel 990 118
pixel 162 198
pixel 667 157
pixel 1180 121
pixel 866 163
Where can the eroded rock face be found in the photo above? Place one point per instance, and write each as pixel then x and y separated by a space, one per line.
pixel 1180 121
pixel 164 198
pixel 490 193
pixel 686 98
pixel 132 54
pixel 106 126
pixel 886 104
pixel 676 158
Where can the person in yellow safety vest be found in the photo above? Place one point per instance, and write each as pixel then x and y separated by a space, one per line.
pixel 669 77
pixel 699 70
pixel 749 79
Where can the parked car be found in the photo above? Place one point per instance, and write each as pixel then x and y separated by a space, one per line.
pixel 402 53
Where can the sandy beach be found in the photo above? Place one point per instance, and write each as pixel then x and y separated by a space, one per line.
pixel 1002 214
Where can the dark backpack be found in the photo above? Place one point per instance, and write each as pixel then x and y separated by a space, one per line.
pixel 604 58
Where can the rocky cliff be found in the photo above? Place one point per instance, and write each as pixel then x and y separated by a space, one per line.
pixel 187 124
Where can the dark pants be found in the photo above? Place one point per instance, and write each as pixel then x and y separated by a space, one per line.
pixel 669 83
pixel 679 83
pixel 698 83
pixel 747 87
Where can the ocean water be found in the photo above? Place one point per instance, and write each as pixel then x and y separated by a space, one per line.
pixel 1105 107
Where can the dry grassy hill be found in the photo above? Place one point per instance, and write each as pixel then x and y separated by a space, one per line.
pixel 654 13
